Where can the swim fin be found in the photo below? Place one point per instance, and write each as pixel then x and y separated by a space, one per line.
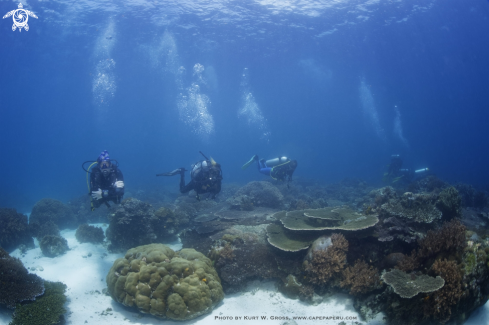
pixel 173 172
pixel 255 157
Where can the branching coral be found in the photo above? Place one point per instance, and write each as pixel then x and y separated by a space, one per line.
pixel 361 278
pixel 439 304
pixel 409 262
pixel 450 237
pixel 327 263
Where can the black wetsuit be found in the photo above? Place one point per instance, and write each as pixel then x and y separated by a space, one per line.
pixel 111 193
pixel 204 179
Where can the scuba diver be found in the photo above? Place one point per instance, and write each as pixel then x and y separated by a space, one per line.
pixel 395 173
pixel 280 168
pixel 205 177
pixel 106 181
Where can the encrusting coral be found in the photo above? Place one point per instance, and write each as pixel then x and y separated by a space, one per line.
pixel 154 279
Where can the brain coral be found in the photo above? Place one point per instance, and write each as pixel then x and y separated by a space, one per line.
pixel 155 279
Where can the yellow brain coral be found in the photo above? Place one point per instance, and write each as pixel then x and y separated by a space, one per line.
pixel 155 279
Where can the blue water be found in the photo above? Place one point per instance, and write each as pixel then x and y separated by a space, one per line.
pixel 339 85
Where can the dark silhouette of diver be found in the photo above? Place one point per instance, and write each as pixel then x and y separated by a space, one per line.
pixel 206 177
pixel 396 174
pixel 280 168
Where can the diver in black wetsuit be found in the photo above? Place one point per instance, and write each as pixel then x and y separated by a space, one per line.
pixel 106 182
pixel 206 177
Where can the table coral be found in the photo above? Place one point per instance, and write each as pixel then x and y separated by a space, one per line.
pixel 47 309
pixel 409 285
pixel 154 279
pixel 16 284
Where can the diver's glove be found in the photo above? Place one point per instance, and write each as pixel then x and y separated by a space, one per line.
pixel 119 184
pixel 97 195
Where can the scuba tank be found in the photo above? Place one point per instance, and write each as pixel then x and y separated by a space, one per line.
pixel 422 170
pixel 276 161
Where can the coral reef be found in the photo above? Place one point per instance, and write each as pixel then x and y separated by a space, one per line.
pixel 52 246
pixel 419 208
pixel 81 208
pixel 47 309
pixel 135 223
pixel 450 237
pixel 40 230
pixel 242 255
pixel 467 193
pixel 167 223
pixel 360 278
pixel 16 284
pixel 394 228
pixel 53 210
pixel 409 285
pixel 429 183
pixel 328 262
pixel 449 203
pixel 154 279
pixel 14 230
pixel 408 263
pixel 439 305
pixel 89 234
pixel 261 194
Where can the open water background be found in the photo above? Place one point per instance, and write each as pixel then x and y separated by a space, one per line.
pixel 339 85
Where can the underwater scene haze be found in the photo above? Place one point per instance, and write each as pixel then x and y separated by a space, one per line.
pixel 383 105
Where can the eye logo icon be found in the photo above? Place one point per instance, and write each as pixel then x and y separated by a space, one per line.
pixel 20 17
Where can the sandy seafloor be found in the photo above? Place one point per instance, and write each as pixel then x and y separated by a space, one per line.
pixel 85 277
